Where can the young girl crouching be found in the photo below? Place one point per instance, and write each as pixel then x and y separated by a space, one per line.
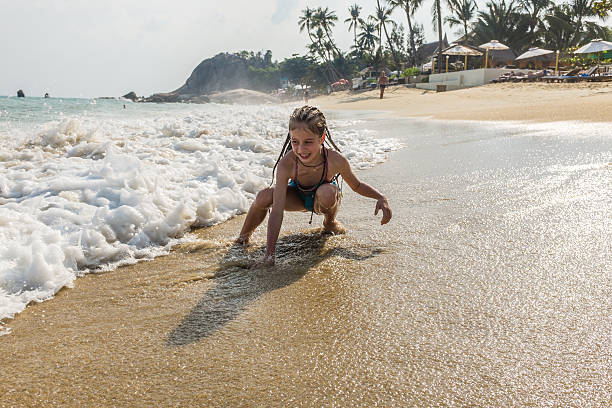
pixel 306 181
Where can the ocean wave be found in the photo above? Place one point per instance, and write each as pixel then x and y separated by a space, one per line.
pixel 88 193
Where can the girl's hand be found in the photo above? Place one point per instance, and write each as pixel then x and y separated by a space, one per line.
pixel 266 262
pixel 383 205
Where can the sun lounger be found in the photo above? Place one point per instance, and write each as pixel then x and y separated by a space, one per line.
pixel 570 76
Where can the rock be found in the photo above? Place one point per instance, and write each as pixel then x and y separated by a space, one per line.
pixel 131 95
pixel 20 94
pixel 215 80
pixel 217 74
pixel 163 97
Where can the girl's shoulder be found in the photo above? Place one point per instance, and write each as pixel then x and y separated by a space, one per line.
pixel 287 161
pixel 336 162
pixel 335 157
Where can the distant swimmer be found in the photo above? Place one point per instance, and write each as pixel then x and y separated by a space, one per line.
pixel 20 94
pixel 46 95
pixel 307 180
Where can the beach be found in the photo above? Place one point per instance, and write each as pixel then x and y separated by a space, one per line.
pixel 531 101
pixel 489 287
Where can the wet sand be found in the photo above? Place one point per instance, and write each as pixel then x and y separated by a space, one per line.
pixel 533 101
pixel 490 287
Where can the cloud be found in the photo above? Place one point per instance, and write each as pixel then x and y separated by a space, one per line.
pixel 283 10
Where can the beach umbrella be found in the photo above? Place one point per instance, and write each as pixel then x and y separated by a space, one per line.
pixel 461 50
pixel 534 53
pixel 595 46
pixel 493 45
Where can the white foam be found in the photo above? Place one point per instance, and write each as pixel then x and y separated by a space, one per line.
pixel 92 192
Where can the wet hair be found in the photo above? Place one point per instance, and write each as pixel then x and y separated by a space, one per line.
pixel 312 119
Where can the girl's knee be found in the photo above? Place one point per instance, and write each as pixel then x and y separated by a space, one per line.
pixel 264 198
pixel 326 196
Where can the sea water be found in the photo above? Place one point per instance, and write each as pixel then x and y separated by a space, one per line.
pixel 91 184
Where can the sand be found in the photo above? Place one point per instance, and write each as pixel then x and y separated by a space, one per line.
pixel 317 332
pixel 534 101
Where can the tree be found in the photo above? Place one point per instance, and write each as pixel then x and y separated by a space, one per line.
pixel 534 10
pixel 326 19
pixel 319 19
pixel 502 22
pixel 602 7
pixel 382 17
pixel 354 20
pixel 305 21
pixel 437 16
pixel 409 7
pixel 367 38
pixel 462 12
pixel 296 68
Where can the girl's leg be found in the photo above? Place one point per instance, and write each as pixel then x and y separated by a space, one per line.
pixel 327 202
pixel 259 209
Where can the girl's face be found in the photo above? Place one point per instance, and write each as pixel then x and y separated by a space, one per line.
pixel 306 145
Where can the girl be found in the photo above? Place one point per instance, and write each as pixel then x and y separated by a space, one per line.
pixel 306 181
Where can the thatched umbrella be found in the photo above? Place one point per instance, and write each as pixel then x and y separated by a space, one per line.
pixel 493 45
pixel 596 46
pixel 533 53
pixel 461 50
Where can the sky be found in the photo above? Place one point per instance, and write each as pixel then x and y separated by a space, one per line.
pixel 83 48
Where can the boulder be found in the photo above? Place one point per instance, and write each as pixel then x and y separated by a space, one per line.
pixel 131 95
pixel 163 97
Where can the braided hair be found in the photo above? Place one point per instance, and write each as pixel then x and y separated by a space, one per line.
pixel 314 120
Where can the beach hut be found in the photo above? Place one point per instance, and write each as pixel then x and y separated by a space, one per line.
pixel 461 50
pixel 427 52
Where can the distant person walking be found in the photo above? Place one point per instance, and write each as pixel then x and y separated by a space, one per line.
pixel 306 95
pixel 383 81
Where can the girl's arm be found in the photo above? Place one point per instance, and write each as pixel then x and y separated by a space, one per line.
pixel 365 190
pixel 275 219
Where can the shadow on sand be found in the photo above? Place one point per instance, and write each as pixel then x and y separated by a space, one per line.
pixel 236 286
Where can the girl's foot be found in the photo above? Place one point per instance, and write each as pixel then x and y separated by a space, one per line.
pixel 334 228
pixel 243 239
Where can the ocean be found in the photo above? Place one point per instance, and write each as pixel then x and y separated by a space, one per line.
pixel 87 185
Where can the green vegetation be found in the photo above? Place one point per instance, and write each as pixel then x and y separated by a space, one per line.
pixel 381 42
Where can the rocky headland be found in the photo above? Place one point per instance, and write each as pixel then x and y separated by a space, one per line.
pixel 224 78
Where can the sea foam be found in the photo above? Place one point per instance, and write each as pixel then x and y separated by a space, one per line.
pixel 94 191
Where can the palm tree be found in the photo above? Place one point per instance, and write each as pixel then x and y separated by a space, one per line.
pixel 534 9
pixel 382 17
pixel 560 28
pixel 502 22
pixel 566 24
pixel 436 10
pixel 367 38
pixel 463 11
pixel 306 20
pixel 311 21
pixel 326 19
pixel 354 19
pixel 409 7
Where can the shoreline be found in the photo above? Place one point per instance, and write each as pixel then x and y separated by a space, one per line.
pixel 536 102
pixel 368 310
